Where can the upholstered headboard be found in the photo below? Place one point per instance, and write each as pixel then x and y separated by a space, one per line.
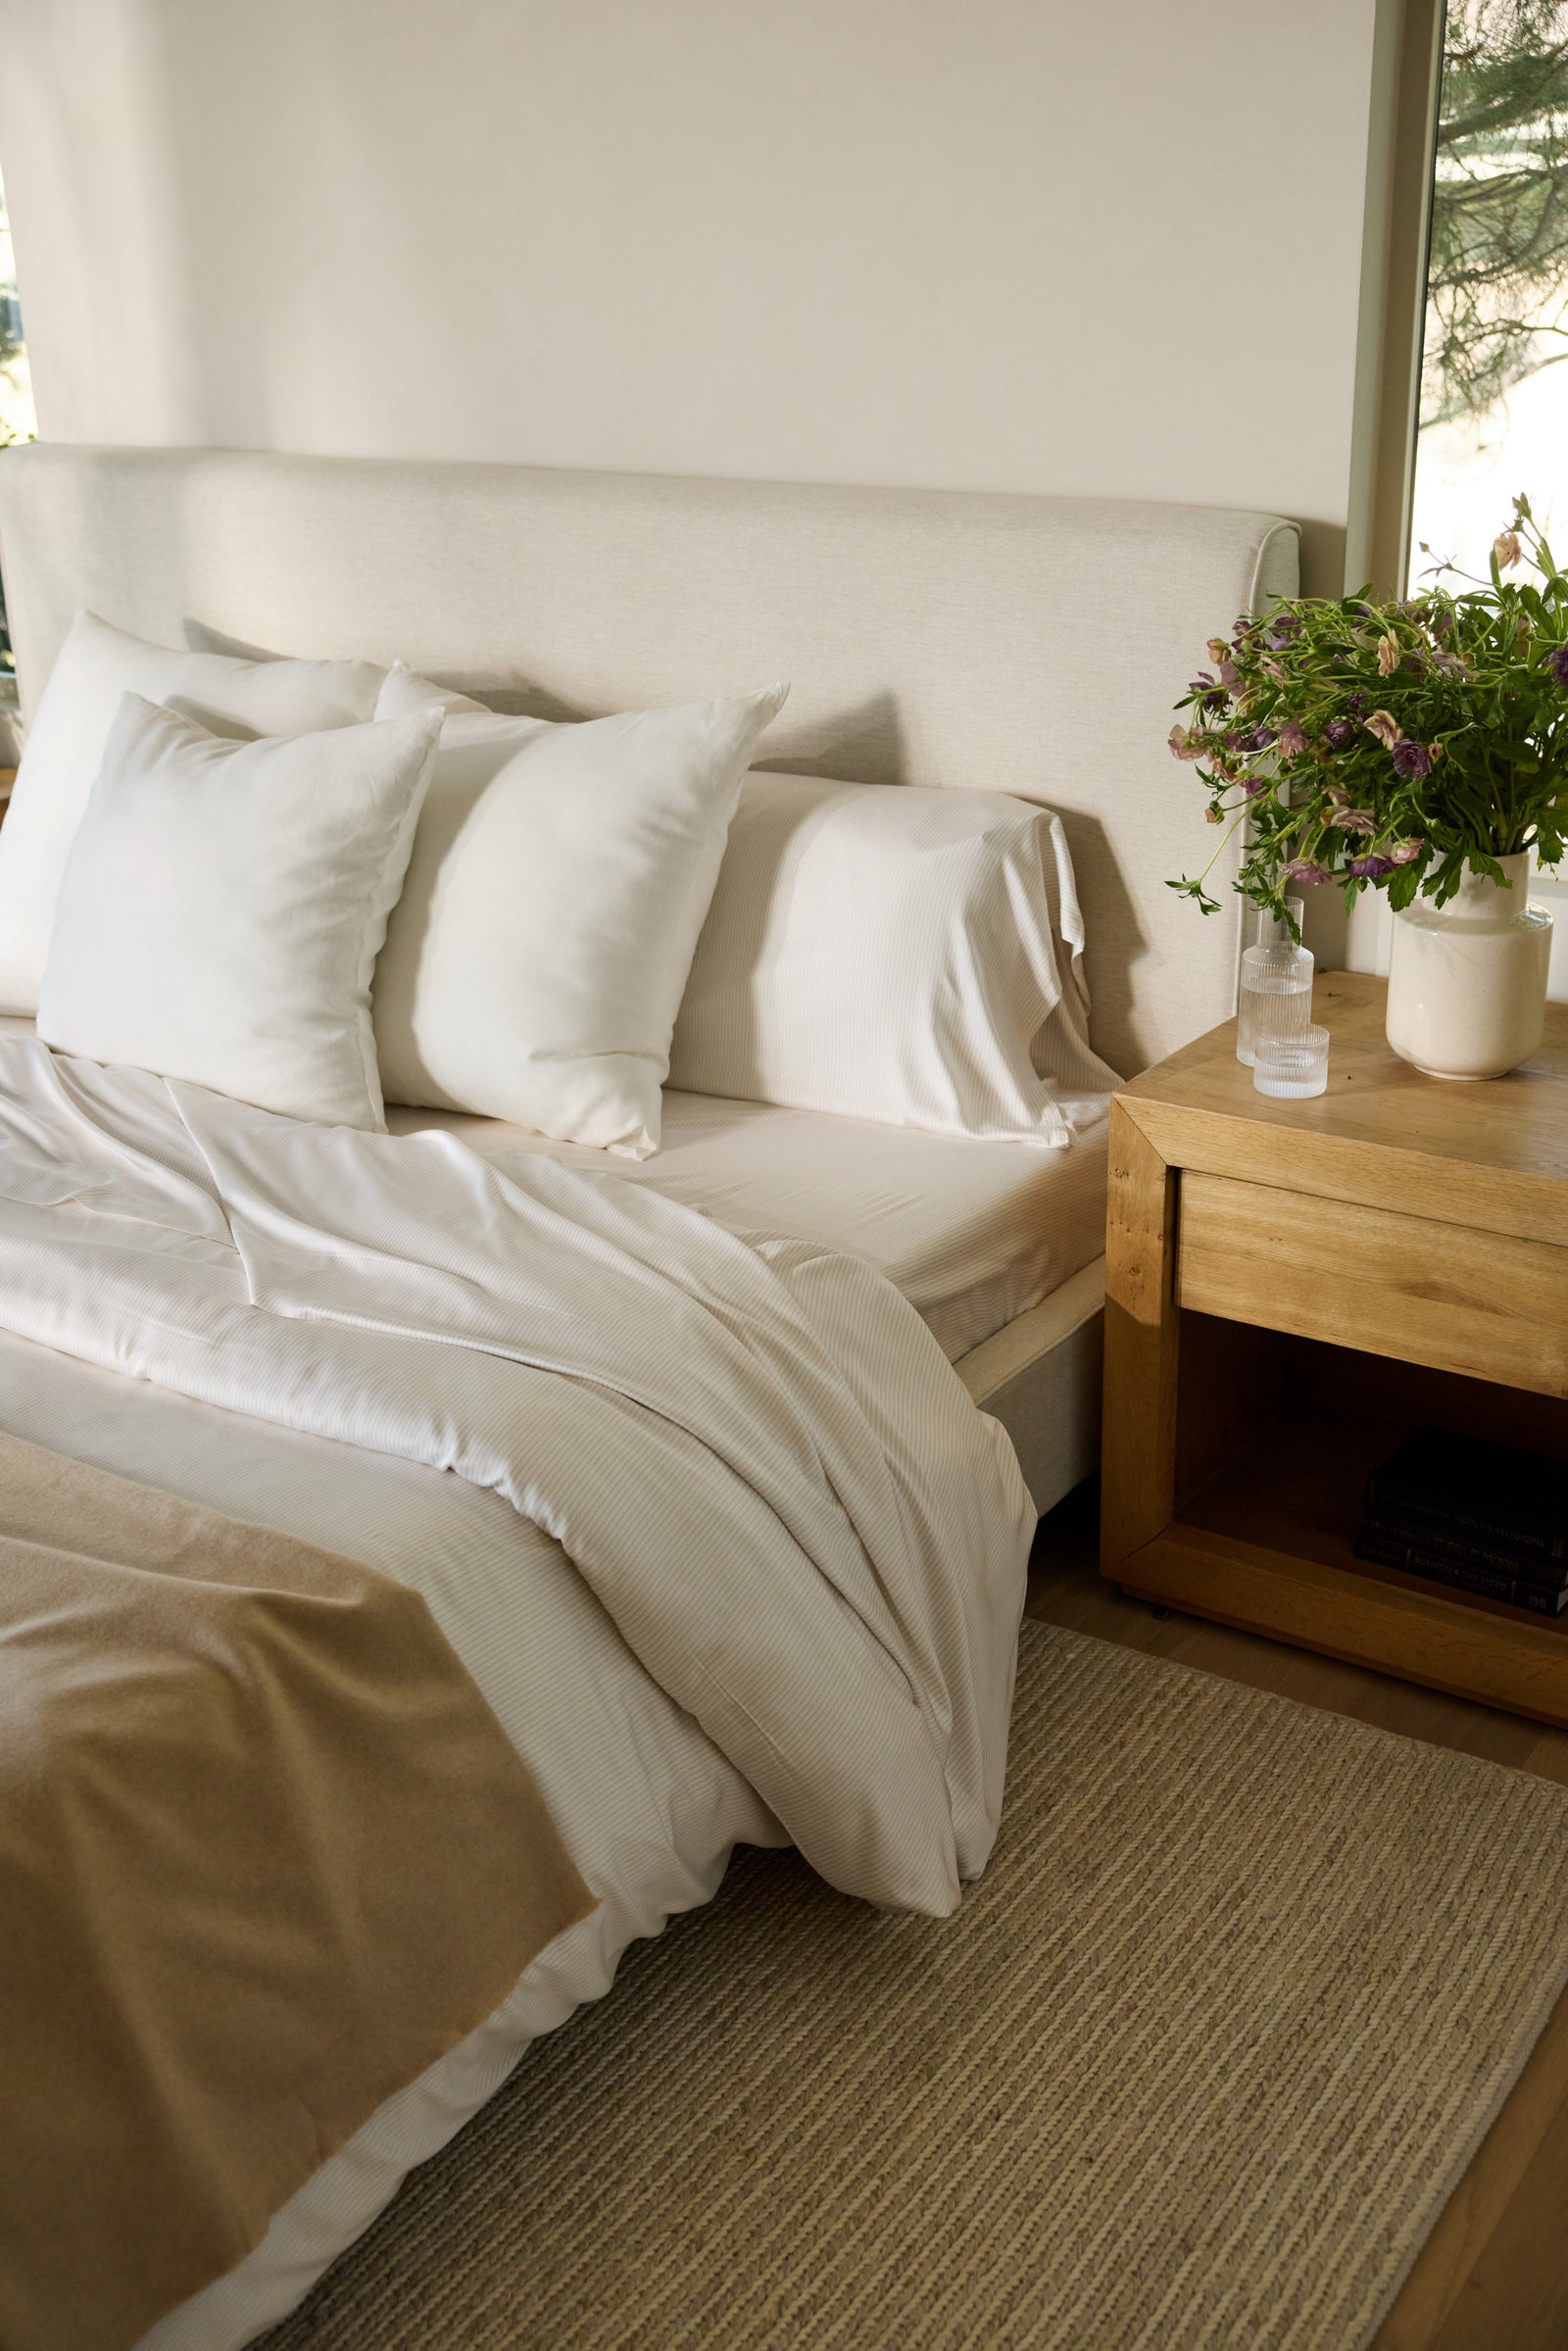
pixel 1027 645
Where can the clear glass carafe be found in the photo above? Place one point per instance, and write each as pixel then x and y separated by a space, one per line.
pixel 1276 992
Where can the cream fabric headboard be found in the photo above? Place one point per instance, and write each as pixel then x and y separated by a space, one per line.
pixel 1026 645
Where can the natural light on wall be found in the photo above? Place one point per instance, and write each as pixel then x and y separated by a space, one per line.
pixel 1495 361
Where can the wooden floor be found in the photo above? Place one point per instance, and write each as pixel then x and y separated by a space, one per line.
pixel 1493 2275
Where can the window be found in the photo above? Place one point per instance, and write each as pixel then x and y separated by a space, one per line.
pixel 1493 383
pixel 16 419
pixel 16 424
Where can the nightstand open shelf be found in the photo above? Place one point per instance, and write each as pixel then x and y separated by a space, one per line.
pixel 1375 1219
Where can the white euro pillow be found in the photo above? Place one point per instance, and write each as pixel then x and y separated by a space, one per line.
pixel 222 905
pixel 906 954
pixel 65 746
pixel 559 878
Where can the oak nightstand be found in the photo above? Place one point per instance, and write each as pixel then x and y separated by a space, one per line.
pixel 1291 1287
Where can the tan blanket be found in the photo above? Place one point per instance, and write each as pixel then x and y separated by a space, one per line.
pixel 264 1855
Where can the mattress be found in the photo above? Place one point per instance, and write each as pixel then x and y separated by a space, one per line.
pixel 973 1233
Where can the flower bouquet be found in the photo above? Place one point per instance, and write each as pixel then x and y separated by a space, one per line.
pixel 1418 747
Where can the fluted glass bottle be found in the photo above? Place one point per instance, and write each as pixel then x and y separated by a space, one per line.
pixel 1276 991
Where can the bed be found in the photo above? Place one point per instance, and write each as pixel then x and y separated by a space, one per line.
pixel 1027 645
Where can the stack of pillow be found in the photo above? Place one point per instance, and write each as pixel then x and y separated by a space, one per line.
pixel 314 884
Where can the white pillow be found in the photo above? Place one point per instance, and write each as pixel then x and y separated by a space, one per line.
pixel 223 903
pixel 898 954
pixel 559 878
pixel 95 666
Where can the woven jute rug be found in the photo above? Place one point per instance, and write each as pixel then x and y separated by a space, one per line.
pixel 1197 2063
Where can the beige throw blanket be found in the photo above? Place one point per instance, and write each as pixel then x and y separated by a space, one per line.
pixel 264 1855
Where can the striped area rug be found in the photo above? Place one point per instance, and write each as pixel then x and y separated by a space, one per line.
pixel 1196 2064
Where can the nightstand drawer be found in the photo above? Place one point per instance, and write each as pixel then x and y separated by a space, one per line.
pixel 1369 1278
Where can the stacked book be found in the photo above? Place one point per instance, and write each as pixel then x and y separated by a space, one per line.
pixel 1478 1517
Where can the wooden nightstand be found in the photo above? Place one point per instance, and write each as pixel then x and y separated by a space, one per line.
pixel 1291 1287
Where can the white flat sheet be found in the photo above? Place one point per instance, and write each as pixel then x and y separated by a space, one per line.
pixel 647 1801
pixel 974 1234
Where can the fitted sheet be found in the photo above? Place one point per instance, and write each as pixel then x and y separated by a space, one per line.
pixel 973 1233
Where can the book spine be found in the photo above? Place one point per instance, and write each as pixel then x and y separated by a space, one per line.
pixel 1466 1550
pixel 1387 1551
pixel 1542 1602
pixel 1525 1534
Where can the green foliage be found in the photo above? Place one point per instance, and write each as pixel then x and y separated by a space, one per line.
pixel 1390 744
pixel 1499 266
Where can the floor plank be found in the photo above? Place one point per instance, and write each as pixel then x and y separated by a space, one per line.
pixel 1493 2275
pixel 1516 2294
pixel 1455 2272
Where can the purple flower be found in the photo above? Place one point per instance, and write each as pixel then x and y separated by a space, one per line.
pixel 1339 734
pixel 1302 870
pixel 1370 869
pixel 1293 739
pixel 1557 664
pixel 1405 853
pixel 1256 786
pixel 1355 703
pixel 1263 737
pixel 1185 744
pixel 1355 820
pixel 1411 761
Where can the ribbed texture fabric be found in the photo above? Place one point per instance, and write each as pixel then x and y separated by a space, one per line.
pixel 1004 644
pixel 1196 2066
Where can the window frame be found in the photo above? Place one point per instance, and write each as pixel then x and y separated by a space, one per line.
pixel 1402 154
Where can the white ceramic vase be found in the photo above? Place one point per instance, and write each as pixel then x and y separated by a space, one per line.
pixel 1467 981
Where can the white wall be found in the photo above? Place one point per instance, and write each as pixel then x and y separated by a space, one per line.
pixel 1016 244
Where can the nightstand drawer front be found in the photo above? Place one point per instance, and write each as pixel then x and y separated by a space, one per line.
pixel 1469 1302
